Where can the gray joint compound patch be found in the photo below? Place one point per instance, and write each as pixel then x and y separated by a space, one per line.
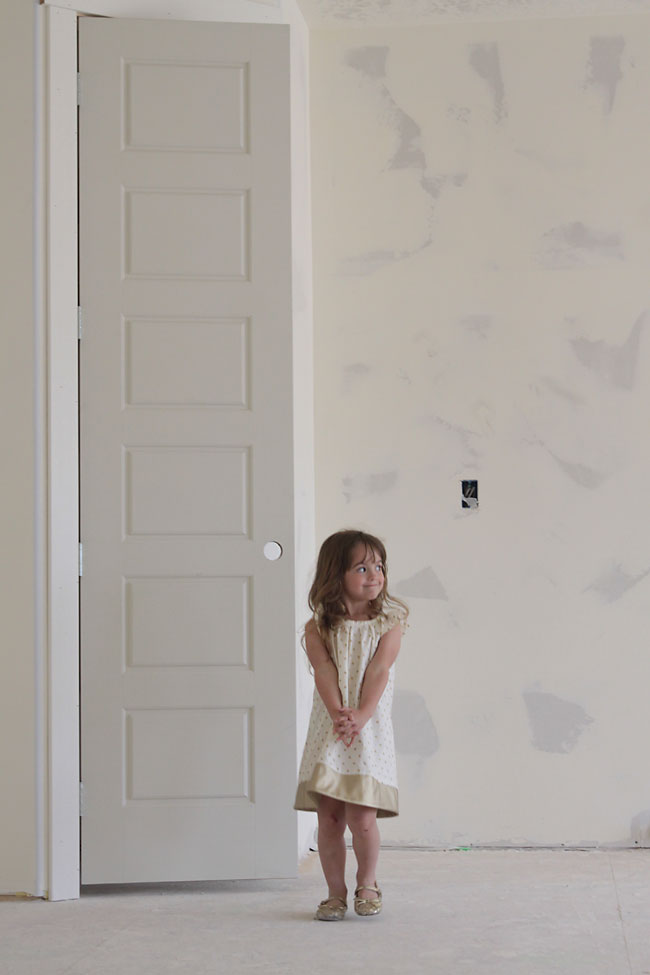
pixel 370 61
pixel 561 390
pixel 614 583
pixel 479 324
pixel 484 58
pixel 614 363
pixel 364 484
pixel 583 476
pixel 575 245
pixel 604 66
pixel 423 585
pixel 352 374
pixel 556 724
pixel 415 732
pixel 376 260
pixel 409 152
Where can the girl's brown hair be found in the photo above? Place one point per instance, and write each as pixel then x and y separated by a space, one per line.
pixel 334 559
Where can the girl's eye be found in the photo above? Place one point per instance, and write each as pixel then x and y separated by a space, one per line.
pixel 362 568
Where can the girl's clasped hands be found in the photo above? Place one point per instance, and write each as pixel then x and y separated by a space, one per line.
pixel 348 724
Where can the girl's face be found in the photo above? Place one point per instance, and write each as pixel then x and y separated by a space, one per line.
pixel 364 580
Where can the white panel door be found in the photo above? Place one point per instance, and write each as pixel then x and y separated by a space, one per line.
pixel 187 630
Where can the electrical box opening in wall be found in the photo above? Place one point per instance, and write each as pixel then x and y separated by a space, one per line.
pixel 469 494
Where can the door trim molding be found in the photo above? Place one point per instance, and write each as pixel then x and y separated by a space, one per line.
pixel 61 611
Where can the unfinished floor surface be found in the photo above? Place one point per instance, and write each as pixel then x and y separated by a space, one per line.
pixel 501 912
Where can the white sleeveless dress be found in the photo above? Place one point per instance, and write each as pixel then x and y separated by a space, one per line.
pixel 366 772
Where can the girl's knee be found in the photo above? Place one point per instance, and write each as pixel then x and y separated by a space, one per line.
pixel 331 817
pixel 361 819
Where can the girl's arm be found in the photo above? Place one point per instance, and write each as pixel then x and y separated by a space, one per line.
pixel 375 680
pixel 326 675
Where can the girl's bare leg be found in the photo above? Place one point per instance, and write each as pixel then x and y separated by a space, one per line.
pixel 362 821
pixel 331 844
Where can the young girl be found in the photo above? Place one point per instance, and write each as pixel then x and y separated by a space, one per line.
pixel 348 770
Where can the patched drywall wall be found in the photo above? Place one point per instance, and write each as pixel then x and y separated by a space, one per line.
pixel 338 13
pixel 482 311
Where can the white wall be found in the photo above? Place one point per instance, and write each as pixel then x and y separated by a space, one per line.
pixel 18 806
pixel 23 662
pixel 482 296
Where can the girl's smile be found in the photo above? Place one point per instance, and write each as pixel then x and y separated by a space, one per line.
pixel 364 580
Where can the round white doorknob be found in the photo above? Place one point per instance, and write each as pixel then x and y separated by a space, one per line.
pixel 272 551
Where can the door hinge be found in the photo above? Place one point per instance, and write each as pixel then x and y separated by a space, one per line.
pixel 81 799
pixel 79 322
pixel 78 88
pixel 81 559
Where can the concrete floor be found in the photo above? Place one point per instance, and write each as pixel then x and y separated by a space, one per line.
pixel 489 912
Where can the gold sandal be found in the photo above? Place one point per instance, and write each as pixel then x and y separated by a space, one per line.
pixel 332 909
pixel 365 906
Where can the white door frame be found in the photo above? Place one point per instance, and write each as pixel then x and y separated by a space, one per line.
pixel 58 544
pixel 62 466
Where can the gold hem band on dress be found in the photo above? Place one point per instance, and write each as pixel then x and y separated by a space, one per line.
pixel 362 790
